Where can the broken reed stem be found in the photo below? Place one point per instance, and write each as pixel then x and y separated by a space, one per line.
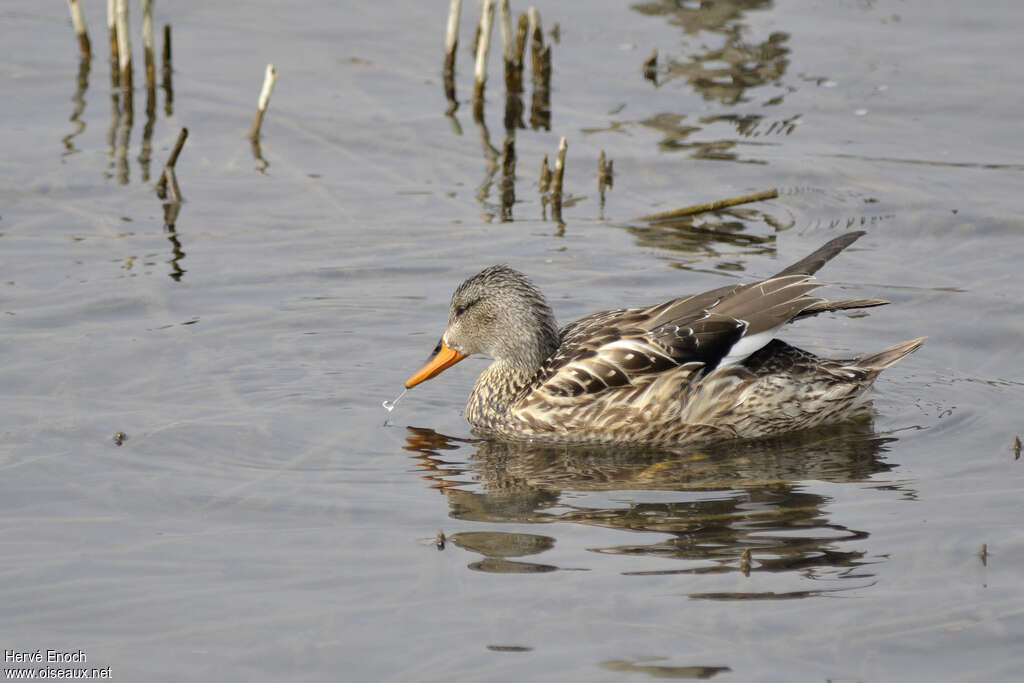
pixel 78 21
pixel 451 40
pixel 124 47
pixel 147 42
pixel 545 176
pixel 556 181
pixel 268 85
pixel 161 184
pixel 115 62
pixel 709 206
pixel 483 46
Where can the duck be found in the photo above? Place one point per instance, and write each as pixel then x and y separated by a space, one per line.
pixel 696 368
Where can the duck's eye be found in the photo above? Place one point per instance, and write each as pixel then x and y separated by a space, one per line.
pixel 459 310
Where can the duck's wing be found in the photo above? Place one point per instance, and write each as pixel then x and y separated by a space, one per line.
pixel 625 346
pixel 716 328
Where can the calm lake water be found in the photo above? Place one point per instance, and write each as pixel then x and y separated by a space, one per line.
pixel 260 522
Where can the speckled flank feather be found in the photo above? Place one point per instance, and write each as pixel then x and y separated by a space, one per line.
pixel 689 369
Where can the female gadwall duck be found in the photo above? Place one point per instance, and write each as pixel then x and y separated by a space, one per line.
pixel 691 369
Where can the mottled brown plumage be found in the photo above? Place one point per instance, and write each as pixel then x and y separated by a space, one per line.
pixel 689 369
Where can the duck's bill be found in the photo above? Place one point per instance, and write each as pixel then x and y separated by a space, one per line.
pixel 444 359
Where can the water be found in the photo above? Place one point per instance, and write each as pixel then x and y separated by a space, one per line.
pixel 259 522
pixel 389 406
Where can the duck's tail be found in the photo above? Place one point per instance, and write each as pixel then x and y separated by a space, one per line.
pixel 812 263
pixel 876 362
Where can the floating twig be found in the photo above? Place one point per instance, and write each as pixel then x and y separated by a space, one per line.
pixel 451 42
pixel 78 21
pixel 1016 448
pixel 983 554
pixel 161 184
pixel 147 43
pixel 483 46
pixel 261 108
pixel 709 206
pixel 556 181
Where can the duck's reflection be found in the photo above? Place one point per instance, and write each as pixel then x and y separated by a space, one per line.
pixel 706 506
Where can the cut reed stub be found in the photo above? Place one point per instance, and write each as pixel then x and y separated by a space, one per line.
pixel 451 40
pixel 115 60
pixel 166 71
pixel 147 43
pixel 78 21
pixel 515 79
pixel 124 49
pixel 556 181
pixel 508 178
pixel 261 107
pixel 545 176
pixel 483 47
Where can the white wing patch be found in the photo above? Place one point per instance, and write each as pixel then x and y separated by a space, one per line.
pixel 746 346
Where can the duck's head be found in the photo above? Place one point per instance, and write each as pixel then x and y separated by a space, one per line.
pixel 499 313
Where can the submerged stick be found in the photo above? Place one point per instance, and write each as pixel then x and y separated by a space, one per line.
pixel 161 184
pixel 124 50
pixel 268 85
pixel 556 181
pixel 78 21
pixel 147 42
pixel 709 206
pixel 484 45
